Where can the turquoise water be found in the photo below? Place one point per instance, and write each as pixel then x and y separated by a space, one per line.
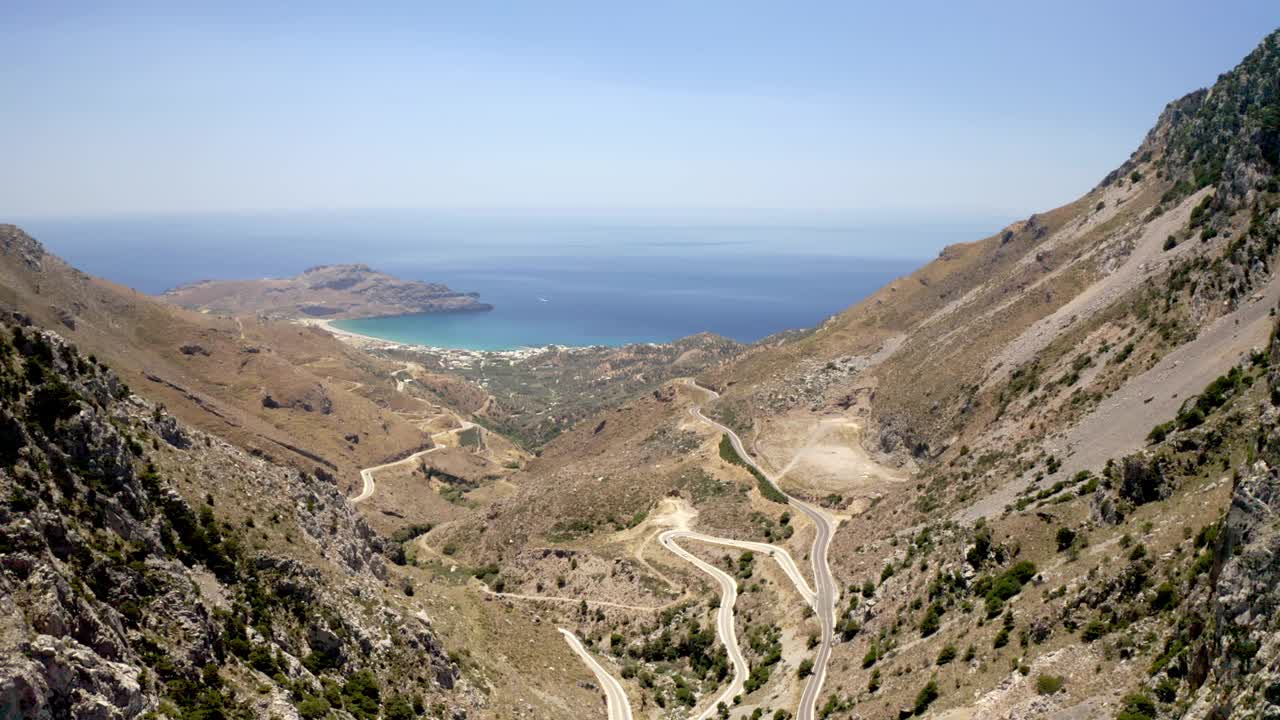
pixel 564 281
pixel 613 301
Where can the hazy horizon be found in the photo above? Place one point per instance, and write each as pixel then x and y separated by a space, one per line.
pixel 550 281
pixel 155 252
pixel 145 108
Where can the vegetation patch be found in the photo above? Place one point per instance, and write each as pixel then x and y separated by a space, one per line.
pixel 767 489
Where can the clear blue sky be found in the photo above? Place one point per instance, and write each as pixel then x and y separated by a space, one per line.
pixel 938 107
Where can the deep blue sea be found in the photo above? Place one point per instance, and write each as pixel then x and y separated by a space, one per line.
pixel 568 282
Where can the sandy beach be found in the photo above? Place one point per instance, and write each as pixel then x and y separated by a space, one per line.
pixel 449 357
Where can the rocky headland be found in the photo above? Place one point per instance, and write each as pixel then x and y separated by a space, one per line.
pixel 333 292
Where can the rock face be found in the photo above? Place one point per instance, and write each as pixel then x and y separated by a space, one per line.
pixel 1239 659
pixel 326 291
pixel 121 594
pixel 16 243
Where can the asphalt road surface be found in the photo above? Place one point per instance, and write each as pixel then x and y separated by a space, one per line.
pixel 826 592
pixel 614 696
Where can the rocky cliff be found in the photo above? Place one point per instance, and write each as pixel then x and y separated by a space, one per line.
pixel 1237 663
pixel 147 567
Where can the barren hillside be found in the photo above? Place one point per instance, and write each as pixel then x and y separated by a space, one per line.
pixel 1015 538
pixel 1034 479
pixel 275 388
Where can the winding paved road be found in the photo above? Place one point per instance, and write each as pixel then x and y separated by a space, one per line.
pixel 779 555
pixel 725 625
pixel 827 593
pixel 725 622
pixel 822 600
pixel 614 696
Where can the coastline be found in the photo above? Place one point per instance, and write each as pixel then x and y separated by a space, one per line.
pixel 453 357
pixel 328 326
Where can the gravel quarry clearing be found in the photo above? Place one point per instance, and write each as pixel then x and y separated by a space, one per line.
pixel 825 455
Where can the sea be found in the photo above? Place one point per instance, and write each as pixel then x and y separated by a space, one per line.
pixel 571 281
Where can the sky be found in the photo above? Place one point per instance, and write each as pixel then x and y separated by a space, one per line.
pixel 909 109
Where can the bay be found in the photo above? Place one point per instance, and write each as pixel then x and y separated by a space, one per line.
pixel 582 280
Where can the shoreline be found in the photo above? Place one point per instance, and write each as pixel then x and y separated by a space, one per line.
pixel 455 354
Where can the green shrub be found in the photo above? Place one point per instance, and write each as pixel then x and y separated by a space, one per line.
pixel 1192 418
pixel 317 661
pixel 1066 537
pixel 52 402
pixel 768 490
pixel 1159 433
pixel 263 660
pixel 925 697
pixel 361 695
pixel 1001 639
pixel 1136 706
pixel 313 708
pixel 399 708
pixel 1004 586
pixel 1048 684
pixel 1166 597
pixel 1094 630
pixel 932 620
pixel 758 676
pixel 886 573
pixel 1166 690
pixel 409 532
pixel 1201 211
pixel 947 654
pixel 981 546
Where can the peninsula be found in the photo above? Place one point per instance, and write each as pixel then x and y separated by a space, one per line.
pixel 333 292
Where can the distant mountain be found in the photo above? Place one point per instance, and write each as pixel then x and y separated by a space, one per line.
pixel 326 291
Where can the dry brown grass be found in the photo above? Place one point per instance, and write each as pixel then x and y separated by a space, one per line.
pixel 219 385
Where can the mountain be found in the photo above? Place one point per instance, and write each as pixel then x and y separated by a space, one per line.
pixel 152 568
pixel 1041 449
pixel 332 292
pixel 273 387
pixel 1036 478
